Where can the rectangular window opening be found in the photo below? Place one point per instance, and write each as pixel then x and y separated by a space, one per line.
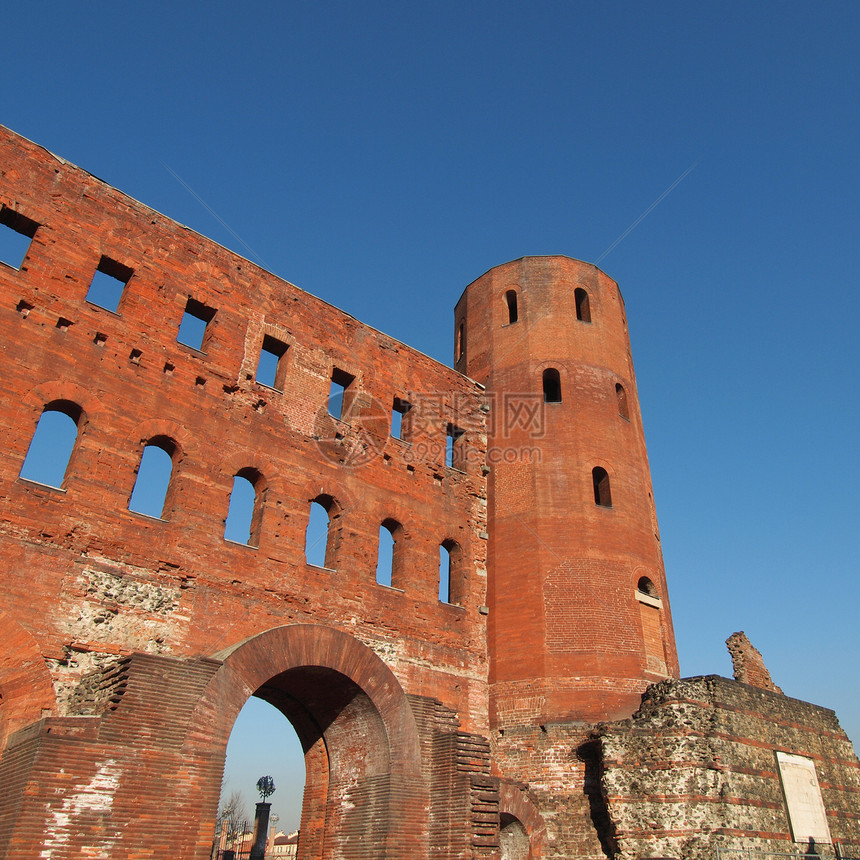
pixel 339 397
pixel 401 420
pixel 454 458
pixel 195 321
pixel 108 283
pixel 270 368
pixel 16 234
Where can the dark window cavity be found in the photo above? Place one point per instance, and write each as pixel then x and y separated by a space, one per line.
pixel 450 572
pixel 387 560
pixel 246 508
pixel 646 586
pixel 153 477
pixel 340 396
pixel 621 396
pixel 511 302
pixel 400 419
pixel 194 325
pixel 271 368
pixel 108 283
pixel 454 447
pixel 583 308
pixel 551 386
pixel 600 479
pixel 461 341
pixel 52 444
pixel 16 233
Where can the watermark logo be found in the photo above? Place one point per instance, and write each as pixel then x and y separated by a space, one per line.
pixel 437 427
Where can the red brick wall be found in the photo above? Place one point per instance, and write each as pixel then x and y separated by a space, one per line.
pixel 86 582
pixel 566 635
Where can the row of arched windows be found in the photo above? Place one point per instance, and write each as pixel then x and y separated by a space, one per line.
pixel 552 391
pixel 322 550
pixel 581 303
pixel 53 444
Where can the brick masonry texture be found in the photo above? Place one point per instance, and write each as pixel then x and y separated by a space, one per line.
pixel 498 724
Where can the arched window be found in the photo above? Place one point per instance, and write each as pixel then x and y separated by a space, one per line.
pixel 319 540
pixel 153 477
pixel 388 558
pixel 52 444
pixel 511 302
pixel 646 586
pixel 583 308
pixel 621 397
pixel 602 495
pixel 451 585
pixel 246 508
pixel 551 386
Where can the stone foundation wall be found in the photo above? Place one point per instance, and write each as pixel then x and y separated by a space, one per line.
pixel 696 768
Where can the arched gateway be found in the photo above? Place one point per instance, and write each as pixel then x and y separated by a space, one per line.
pixel 147 767
pixel 366 796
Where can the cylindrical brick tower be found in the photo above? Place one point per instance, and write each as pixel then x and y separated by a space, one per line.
pixel 579 618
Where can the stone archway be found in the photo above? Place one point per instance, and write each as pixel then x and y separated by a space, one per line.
pixel 365 795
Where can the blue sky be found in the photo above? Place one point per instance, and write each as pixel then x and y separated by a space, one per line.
pixel 383 155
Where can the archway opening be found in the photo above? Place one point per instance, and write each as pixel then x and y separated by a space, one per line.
pixel 339 798
pixel 262 743
pixel 513 839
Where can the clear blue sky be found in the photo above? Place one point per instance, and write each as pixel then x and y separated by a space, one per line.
pixel 383 155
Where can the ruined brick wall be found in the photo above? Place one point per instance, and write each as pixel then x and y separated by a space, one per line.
pixel 696 767
pixel 550 779
pixel 86 582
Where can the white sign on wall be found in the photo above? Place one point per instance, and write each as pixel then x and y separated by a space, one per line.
pixel 806 813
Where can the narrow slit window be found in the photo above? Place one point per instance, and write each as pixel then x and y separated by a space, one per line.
pixel 450 578
pixel 551 386
pixel 245 510
pixel 454 437
pixel 16 234
pixel 195 324
pixel 621 396
pixel 583 307
pixel 319 549
pixel 511 302
pixel 339 394
pixel 153 478
pixel 52 444
pixel 602 494
pixel 461 341
pixel 386 559
pixel 271 367
pixel 108 284
pixel 400 419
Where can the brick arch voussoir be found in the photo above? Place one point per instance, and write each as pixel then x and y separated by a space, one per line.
pixel 26 686
pixel 256 660
pixel 513 800
pixel 152 427
pixel 37 398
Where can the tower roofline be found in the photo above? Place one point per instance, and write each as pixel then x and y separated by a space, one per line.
pixel 541 257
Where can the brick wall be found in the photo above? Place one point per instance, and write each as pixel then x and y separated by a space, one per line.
pixel 87 583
